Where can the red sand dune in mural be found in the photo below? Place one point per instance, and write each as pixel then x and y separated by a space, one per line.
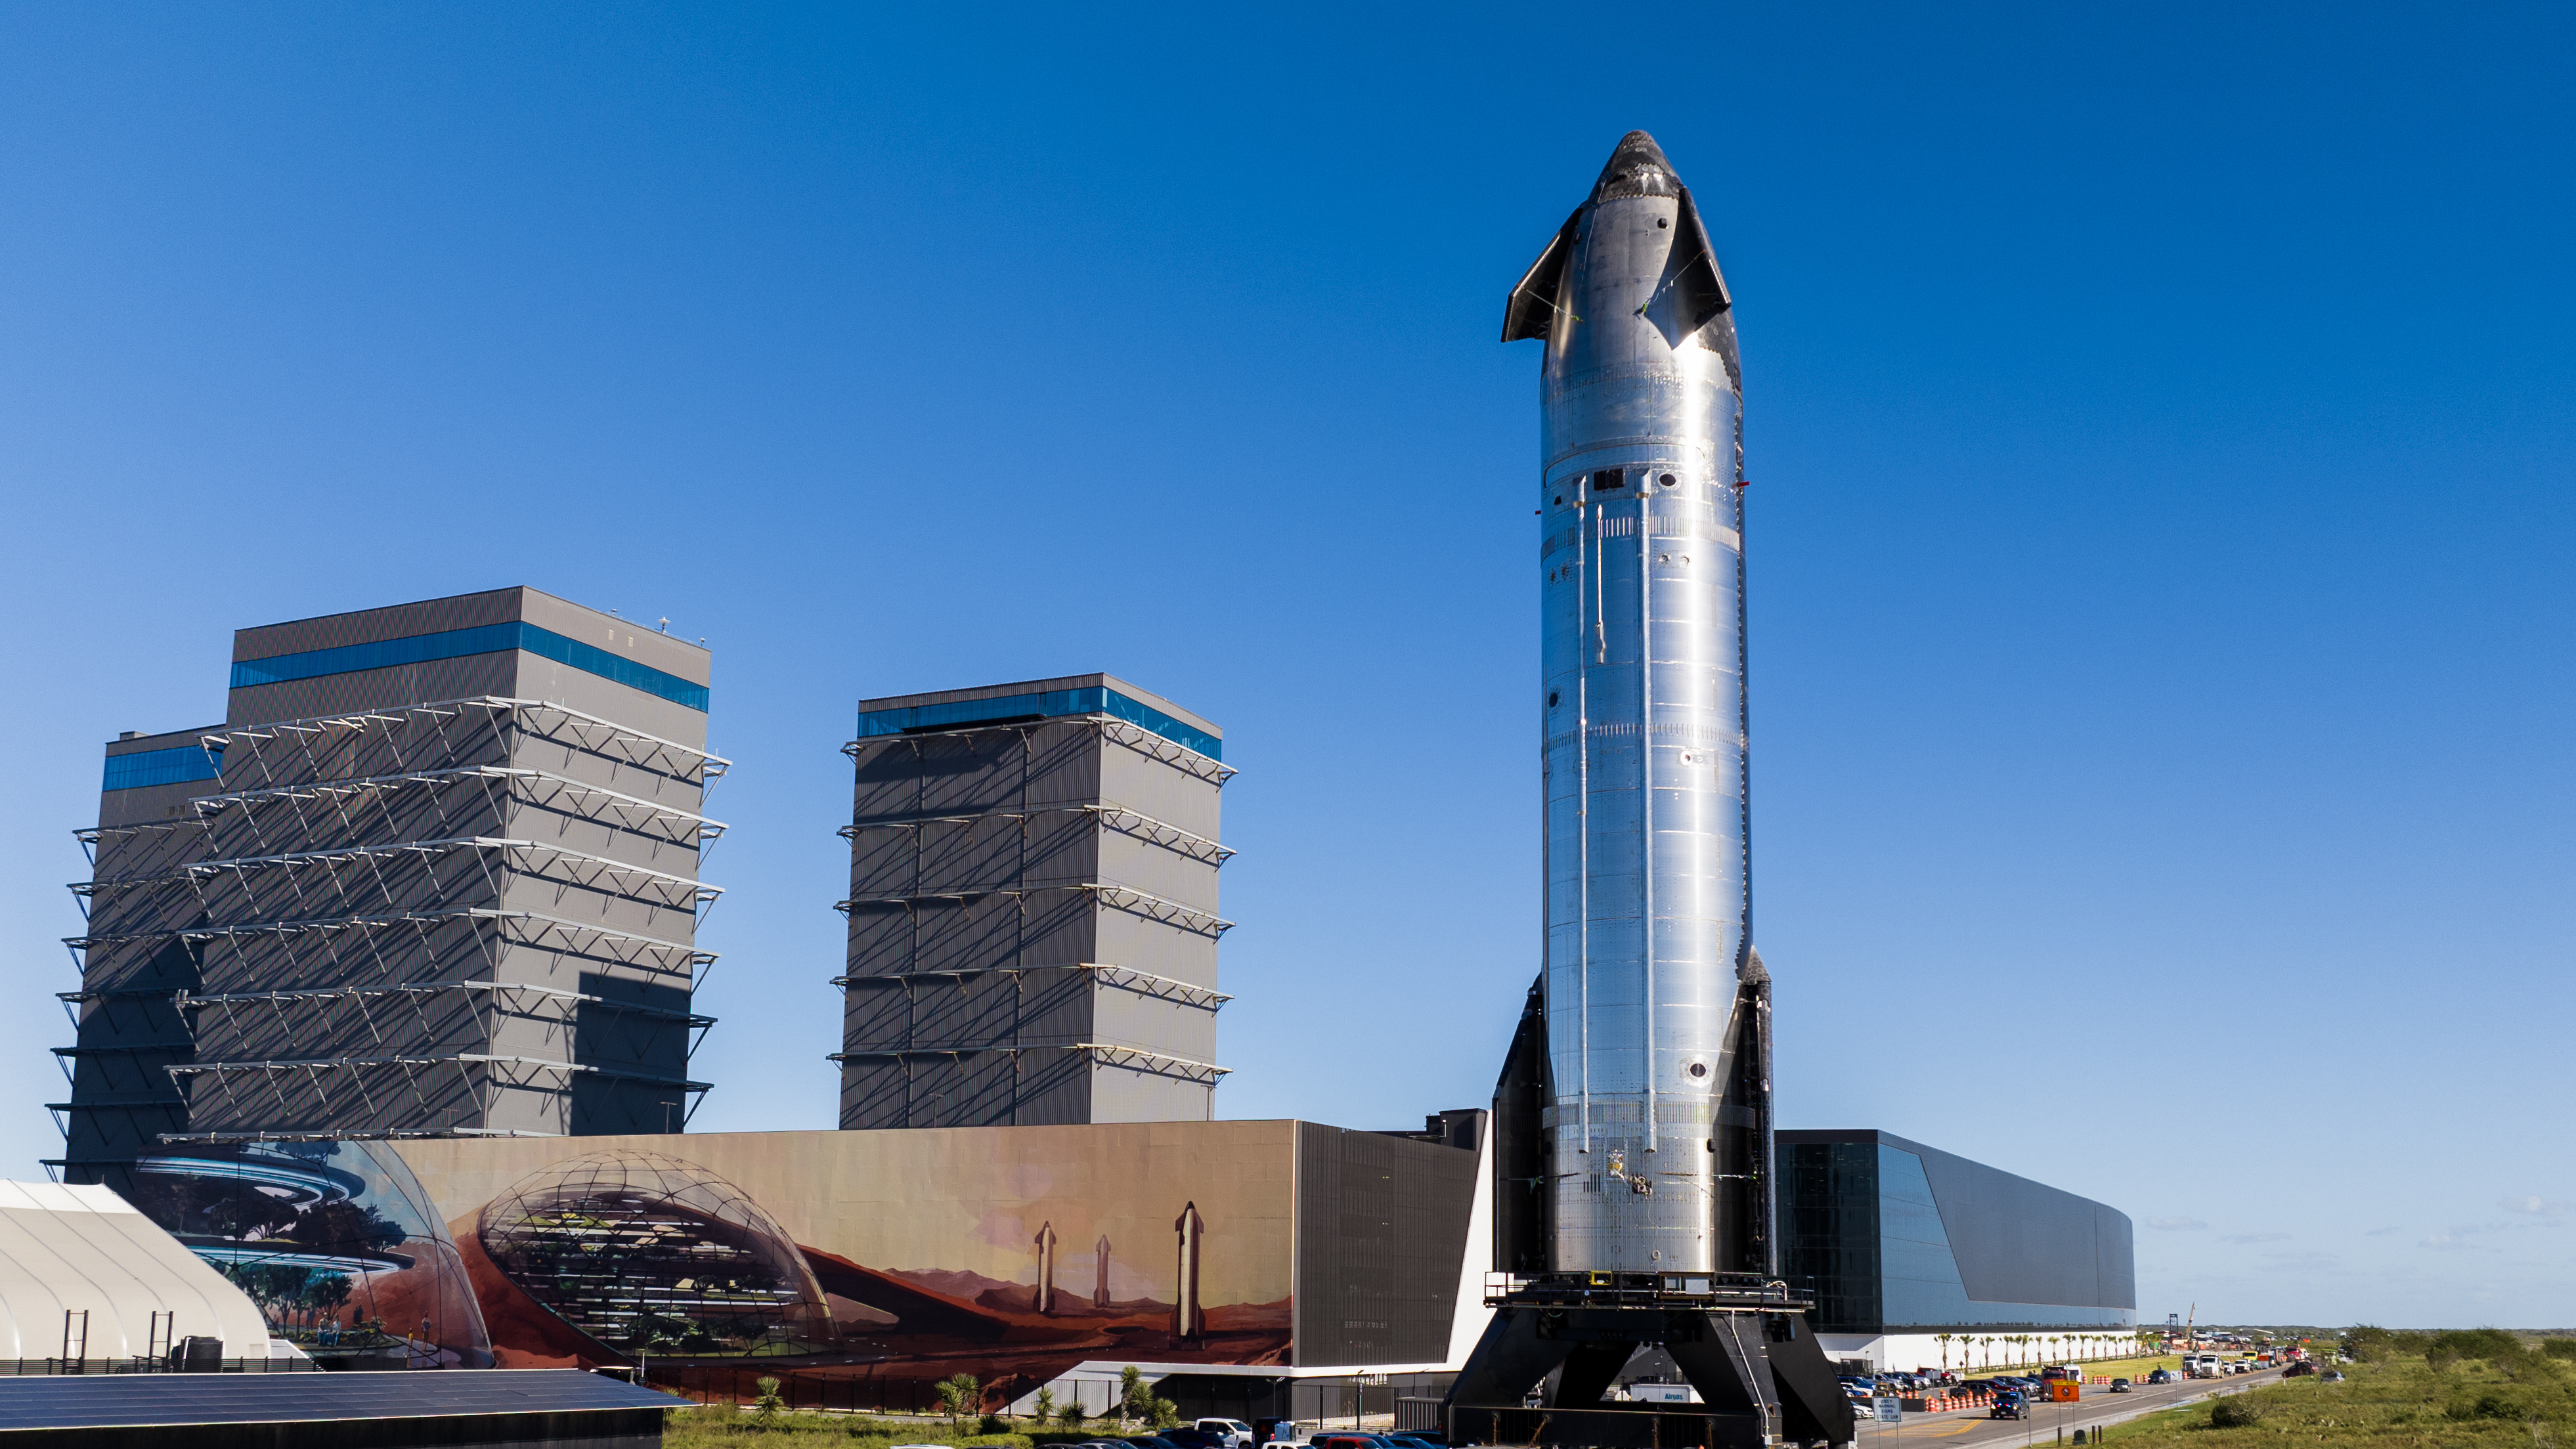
pixel 994 1334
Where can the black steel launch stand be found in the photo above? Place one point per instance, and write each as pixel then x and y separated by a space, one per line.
pixel 1762 1378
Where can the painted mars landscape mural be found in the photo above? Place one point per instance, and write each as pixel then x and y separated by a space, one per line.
pixel 1011 1254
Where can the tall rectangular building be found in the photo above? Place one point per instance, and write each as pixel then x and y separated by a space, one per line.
pixel 1033 908
pixel 435 874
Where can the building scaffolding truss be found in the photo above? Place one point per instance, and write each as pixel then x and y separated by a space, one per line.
pixel 550 1004
pixel 309 867
pixel 1134 1059
pixel 497 1073
pixel 424 1134
pixel 1109 893
pixel 517 928
pixel 527 857
pixel 538 787
pixel 1110 817
pixel 560 723
pixel 1144 983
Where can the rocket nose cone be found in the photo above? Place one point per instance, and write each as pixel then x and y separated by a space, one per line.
pixel 1637 168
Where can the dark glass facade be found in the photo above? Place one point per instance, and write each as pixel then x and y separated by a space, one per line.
pixel 1891 1236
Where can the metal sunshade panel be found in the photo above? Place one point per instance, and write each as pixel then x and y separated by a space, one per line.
pixel 69 1401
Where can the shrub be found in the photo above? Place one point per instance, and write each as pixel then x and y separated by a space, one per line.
pixel 1071 1415
pixel 2368 1343
pixel 960 1395
pixel 2487 1406
pixel 2235 1412
pixel 1135 1396
pixel 766 1408
pixel 2486 1343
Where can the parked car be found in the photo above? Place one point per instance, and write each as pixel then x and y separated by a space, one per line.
pixel 1228 1433
pixel 2330 1376
pixel 2119 1386
pixel 1193 1439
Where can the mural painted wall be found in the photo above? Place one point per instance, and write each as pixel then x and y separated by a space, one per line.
pixel 1011 1253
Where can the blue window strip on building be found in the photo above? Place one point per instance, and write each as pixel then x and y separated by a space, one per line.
pixel 1046 704
pixel 174 766
pixel 457 644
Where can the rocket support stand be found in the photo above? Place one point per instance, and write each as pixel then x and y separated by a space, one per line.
pixel 1763 1380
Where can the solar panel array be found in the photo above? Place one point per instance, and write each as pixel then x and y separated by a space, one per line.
pixel 74 1401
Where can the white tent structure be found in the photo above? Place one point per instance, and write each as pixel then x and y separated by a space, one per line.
pixel 68 1251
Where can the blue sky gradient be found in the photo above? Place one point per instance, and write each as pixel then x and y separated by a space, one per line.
pixel 2159 419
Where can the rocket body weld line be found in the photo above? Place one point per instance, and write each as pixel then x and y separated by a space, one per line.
pixel 1646 775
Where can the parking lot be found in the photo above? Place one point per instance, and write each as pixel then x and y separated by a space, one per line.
pixel 1972 1429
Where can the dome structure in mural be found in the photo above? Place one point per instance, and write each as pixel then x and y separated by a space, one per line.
pixel 645 1253
pixel 336 1242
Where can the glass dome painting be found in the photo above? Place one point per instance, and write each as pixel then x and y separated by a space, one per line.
pixel 335 1241
pixel 646 1253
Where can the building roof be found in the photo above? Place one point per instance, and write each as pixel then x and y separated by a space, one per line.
pixel 987 705
pixel 83 1401
pixel 74 1249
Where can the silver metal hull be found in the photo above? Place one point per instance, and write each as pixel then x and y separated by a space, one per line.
pixel 1644 717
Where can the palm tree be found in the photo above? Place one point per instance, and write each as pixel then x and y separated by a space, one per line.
pixel 1943 1339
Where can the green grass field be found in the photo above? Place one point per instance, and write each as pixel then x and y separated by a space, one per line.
pixel 2506 1400
pixel 2478 1389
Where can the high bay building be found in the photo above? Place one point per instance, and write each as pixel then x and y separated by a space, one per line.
pixel 436 873
pixel 1033 908
pixel 1919 1258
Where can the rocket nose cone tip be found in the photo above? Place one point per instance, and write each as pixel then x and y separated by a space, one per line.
pixel 1637 168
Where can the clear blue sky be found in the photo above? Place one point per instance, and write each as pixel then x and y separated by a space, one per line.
pixel 2159 419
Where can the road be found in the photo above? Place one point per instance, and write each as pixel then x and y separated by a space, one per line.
pixel 1971 1429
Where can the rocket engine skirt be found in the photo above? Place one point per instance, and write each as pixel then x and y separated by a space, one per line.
pixel 1644 712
